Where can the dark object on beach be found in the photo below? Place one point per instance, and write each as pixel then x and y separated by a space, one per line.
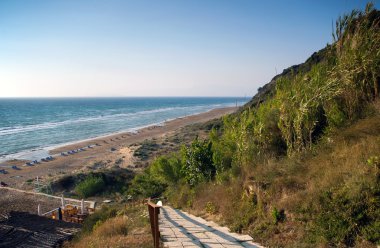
pixel 3 172
pixel 113 149
pixel 2 184
pixel 15 167
pixel 28 164
pixel 63 154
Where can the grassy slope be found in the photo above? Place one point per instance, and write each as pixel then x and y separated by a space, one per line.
pixel 268 90
pixel 338 162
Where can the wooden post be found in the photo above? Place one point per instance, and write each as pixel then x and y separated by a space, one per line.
pixel 59 214
pixel 157 231
pixel 38 185
pixel 154 210
pixel 82 206
pixel 63 201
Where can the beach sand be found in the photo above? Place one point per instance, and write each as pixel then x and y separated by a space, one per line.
pixel 110 148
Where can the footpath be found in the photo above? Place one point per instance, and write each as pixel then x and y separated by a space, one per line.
pixel 180 229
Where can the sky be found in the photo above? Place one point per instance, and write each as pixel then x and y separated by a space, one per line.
pixel 116 48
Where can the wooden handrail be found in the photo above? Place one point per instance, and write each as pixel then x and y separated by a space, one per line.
pixel 49 212
pixel 154 211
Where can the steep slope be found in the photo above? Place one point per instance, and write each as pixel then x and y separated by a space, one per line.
pixel 268 90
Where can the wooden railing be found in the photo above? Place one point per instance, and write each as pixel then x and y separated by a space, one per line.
pixel 70 213
pixel 55 214
pixel 154 211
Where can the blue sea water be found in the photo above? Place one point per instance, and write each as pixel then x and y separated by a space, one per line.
pixel 30 124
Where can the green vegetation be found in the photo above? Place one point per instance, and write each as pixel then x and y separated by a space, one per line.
pixel 90 186
pixel 297 166
pixel 105 182
pixel 197 163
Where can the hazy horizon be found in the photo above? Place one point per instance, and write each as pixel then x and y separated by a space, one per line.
pixel 53 97
pixel 156 49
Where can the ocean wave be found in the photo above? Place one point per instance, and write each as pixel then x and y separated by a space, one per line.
pixel 49 125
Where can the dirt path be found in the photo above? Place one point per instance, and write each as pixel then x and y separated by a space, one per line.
pixel 180 229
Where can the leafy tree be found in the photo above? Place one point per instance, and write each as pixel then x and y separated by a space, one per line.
pixel 197 162
pixel 166 169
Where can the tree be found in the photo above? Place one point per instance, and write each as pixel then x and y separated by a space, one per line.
pixel 166 169
pixel 197 162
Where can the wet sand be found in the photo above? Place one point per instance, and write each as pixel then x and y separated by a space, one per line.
pixel 108 150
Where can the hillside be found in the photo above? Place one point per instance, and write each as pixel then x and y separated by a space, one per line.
pixel 267 91
pixel 298 165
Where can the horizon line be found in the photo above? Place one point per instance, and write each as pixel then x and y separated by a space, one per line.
pixel 8 97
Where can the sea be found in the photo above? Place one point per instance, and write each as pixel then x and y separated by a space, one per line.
pixel 29 127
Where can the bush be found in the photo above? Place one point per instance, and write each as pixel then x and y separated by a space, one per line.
pixel 97 218
pixel 197 162
pixel 278 216
pixel 167 169
pixel 345 214
pixel 146 185
pixel 211 208
pixel 90 186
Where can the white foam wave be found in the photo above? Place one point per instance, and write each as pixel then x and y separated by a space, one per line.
pixel 48 125
pixel 43 151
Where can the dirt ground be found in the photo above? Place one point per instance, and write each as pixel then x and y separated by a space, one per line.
pixel 17 201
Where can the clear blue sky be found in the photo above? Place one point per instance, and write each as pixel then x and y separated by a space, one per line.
pixel 157 48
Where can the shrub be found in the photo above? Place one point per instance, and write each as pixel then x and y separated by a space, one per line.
pixel 345 214
pixel 90 186
pixel 374 161
pixel 167 169
pixel 146 185
pixel 98 218
pixel 278 216
pixel 211 208
pixel 197 162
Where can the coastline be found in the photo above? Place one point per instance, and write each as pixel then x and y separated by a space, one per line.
pixel 42 152
pixel 168 124
pixel 109 148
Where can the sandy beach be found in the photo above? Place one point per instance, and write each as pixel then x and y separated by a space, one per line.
pixel 104 151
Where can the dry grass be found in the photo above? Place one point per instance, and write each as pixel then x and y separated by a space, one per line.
pixel 128 230
pixel 115 241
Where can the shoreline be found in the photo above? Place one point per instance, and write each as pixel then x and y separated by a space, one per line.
pixel 38 153
pixel 189 119
pixel 109 149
